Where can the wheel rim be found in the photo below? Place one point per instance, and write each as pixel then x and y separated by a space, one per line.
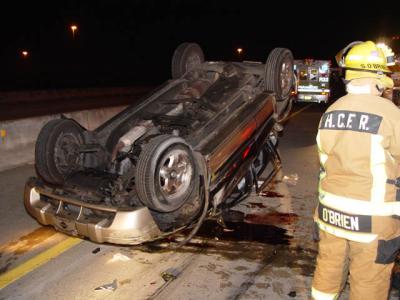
pixel 286 74
pixel 175 174
pixel 66 156
pixel 192 61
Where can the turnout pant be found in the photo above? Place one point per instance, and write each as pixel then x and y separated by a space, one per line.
pixel 338 257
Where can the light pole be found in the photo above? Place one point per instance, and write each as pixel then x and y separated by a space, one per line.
pixel 73 29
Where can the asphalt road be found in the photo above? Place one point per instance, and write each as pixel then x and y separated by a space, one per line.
pixel 266 253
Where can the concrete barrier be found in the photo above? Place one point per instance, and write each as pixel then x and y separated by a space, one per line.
pixel 18 137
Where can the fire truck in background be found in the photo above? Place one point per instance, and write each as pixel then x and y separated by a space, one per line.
pixel 312 80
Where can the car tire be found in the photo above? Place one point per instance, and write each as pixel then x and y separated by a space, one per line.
pixel 279 73
pixel 185 58
pixel 166 174
pixel 57 150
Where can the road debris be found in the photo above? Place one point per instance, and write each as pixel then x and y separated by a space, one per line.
pixel 119 257
pixel 169 274
pixel 97 250
pixel 108 286
pixel 292 294
pixel 291 179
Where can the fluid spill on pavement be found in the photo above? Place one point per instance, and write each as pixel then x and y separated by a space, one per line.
pixel 125 281
pixel 243 231
pixel 271 218
pixel 246 237
pixel 11 251
pixel 214 238
pixel 270 194
pixel 4 269
pixel 296 258
pixel 256 204
pixel 27 242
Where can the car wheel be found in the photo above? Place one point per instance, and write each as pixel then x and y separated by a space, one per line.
pixel 279 73
pixel 185 58
pixel 57 152
pixel 166 173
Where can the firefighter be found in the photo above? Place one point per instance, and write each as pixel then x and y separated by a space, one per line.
pixel 359 149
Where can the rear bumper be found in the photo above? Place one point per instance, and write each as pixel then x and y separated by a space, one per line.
pixel 97 222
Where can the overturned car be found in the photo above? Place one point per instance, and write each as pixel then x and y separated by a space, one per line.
pixel 196 145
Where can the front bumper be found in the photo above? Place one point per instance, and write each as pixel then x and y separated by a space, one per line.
pixel 99 223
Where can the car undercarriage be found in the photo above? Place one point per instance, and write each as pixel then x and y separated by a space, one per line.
pixel 197 144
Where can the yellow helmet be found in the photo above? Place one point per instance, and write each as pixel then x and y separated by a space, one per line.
pixel 366 60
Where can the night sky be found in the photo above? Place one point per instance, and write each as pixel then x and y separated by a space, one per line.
pixel 121 43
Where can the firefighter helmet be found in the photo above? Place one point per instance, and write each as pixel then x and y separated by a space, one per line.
pixel 366 60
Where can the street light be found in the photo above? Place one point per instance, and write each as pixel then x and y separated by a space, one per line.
pixel 73 29
pixel 24 53
pixel 239 50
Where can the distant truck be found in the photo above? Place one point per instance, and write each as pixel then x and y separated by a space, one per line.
pixel 312 80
